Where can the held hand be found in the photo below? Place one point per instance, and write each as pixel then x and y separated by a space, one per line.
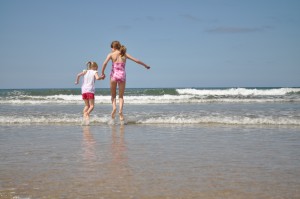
pixel 147 67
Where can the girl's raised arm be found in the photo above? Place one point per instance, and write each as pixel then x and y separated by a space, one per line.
pixel 137 61
pixel 79 75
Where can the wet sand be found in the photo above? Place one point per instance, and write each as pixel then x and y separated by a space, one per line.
pixel 149 161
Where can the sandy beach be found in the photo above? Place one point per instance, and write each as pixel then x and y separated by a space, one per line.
pixel 149 161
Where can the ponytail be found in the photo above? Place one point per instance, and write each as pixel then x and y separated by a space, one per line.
pixel 123 51
pixel 88 65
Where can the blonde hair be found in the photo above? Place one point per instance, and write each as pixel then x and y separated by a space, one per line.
pixel 117 45
pixel 92 65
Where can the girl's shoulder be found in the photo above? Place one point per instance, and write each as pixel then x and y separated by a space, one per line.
pixel 92 71
pixel 116 53
pixel 113 54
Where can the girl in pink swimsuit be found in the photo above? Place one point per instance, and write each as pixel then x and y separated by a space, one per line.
pixel 118 72
pixel 118 56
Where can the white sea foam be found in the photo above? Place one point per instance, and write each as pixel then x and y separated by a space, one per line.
pixel 213 119
pixel 234 120
pixel 53 119
pixel 231 95
pixel 238 92
pixel 163 99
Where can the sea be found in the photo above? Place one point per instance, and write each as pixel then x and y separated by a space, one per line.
pixel 207 143
pixel 229 106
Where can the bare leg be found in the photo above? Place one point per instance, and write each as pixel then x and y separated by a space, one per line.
pixel 113 92
pixel 121 99
pixel 91 108
pixel 85 112
pixel 86 107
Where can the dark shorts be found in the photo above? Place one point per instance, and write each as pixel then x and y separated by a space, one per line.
pixel 87 96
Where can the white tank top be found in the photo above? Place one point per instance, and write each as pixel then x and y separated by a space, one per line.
pixel 88 85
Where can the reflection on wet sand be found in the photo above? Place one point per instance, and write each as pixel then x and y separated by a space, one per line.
pixel 111 175
pixel 88 145
pixel 118 147
pixel 120 175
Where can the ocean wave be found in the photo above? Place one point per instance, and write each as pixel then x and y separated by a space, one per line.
pixel 94 120
pixel 235 120
pixel 164 99
pixel 157 96
pixel 239 92
pixel 53 119
pixel 146 100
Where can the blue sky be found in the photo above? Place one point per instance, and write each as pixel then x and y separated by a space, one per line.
pixel 187 43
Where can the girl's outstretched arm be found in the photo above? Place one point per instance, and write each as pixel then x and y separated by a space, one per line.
pixel 137 61
pixel 79 75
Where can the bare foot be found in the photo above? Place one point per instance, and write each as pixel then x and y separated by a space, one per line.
pixel 121 116
pixel 113 113
pixel 87 122
pixel 86 119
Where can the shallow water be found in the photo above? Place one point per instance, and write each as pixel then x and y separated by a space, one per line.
pixel 149 161
pixel 235 106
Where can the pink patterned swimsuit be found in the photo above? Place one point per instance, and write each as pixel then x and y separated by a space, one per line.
pixel 118 73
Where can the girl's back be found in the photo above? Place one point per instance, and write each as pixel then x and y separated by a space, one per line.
pixel 88 85
pixel 117 58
